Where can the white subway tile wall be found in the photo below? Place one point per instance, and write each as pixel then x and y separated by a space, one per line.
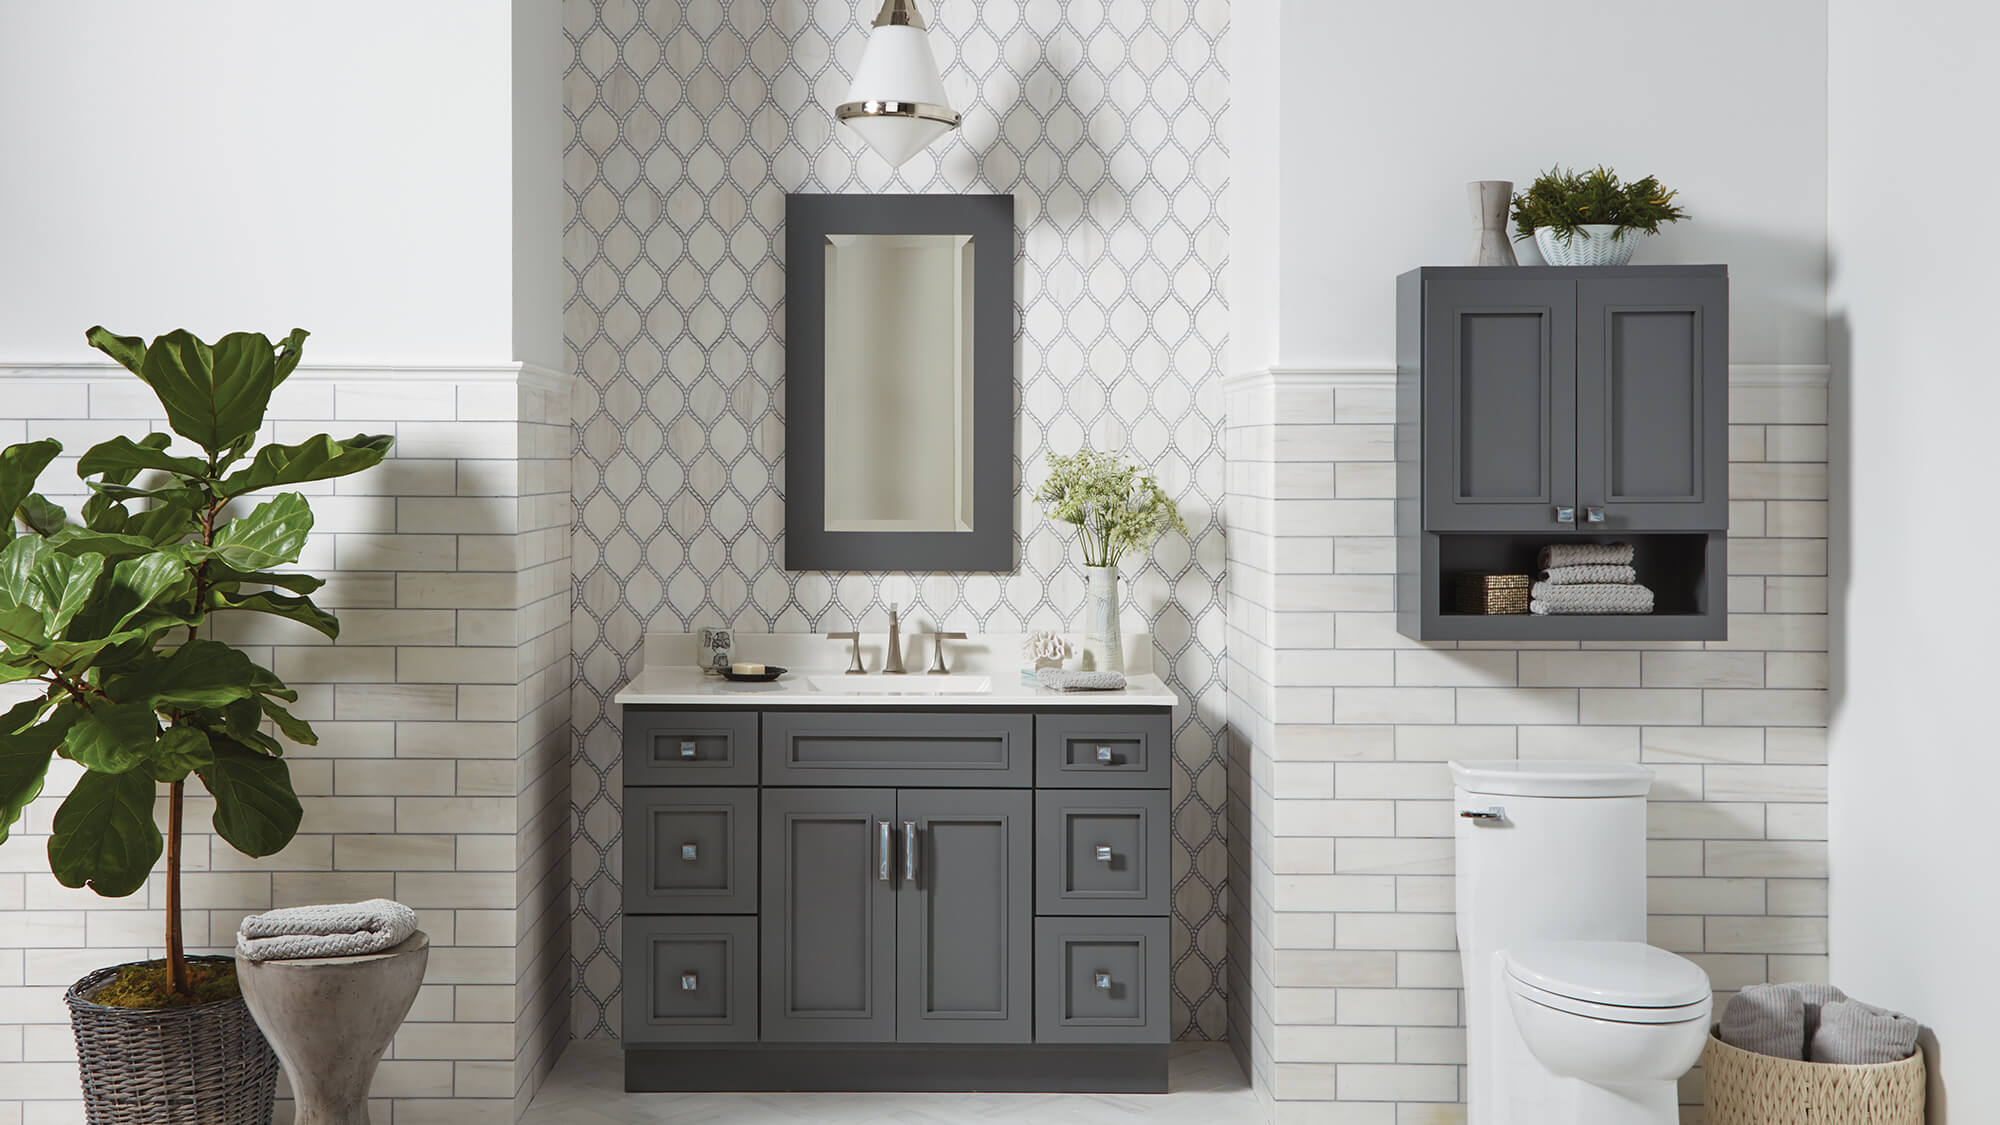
pixel 442 773
pixel 1343 970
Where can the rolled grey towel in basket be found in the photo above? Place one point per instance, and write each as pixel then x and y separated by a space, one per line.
pixel 1769 1019
pixel 1856 1033
pixel 1584 554
pixel 331 930
pixel 1057 679
pixel 1596 572
pixel 1594 597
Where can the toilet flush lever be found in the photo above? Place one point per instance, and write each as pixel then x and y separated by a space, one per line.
pixel 1482 814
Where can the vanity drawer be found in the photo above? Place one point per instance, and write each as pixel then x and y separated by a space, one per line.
pixel 1101 851
pixel 961 749
pixel 690 851
pixel 1104 751
pixel 690 980
pixel 669 746
pixel 1101 980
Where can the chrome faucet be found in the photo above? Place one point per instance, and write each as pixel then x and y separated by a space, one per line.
pixel 892 664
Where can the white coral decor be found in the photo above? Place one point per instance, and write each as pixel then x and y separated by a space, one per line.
pixel 1044 649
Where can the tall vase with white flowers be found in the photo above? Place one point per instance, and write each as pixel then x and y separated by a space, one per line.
pixel 1118 511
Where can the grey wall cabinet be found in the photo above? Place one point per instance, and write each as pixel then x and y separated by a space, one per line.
pixel 911 899
pixel 1544 404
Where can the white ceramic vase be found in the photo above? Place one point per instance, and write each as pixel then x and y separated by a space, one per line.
pixel 1593 244
pixel 1489 199
pixel 1103 645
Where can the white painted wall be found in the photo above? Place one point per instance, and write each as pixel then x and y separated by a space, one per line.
pixel 195 164
pixel 1914 768
pixel 1388 109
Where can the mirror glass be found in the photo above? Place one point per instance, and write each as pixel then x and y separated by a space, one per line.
pixel 899 363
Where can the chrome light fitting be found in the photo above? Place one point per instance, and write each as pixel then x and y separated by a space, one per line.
pixel 897 102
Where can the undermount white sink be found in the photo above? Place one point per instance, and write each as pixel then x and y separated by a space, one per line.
pixel 914 684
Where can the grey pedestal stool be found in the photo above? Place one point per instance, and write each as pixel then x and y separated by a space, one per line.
pixel 330 1018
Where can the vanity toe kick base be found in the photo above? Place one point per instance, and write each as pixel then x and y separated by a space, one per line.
pixel 917 899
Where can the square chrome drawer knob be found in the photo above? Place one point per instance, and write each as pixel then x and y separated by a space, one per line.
pixel 687 747
pixel 1104 981
pixel 1104 755
pixel 1104 853
pixel 688 853
pixel 689 982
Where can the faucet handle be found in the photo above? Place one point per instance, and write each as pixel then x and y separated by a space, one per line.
pixel 937 652
pixel 854 667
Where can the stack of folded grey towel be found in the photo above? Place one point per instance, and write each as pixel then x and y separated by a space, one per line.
pixel 1815 1023
pixel 1588 578
pixel 334 930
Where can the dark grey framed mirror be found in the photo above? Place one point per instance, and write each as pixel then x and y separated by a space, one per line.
pixel 899 382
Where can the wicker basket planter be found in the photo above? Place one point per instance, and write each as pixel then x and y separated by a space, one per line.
pixel 202 1065
pixel 1746 1088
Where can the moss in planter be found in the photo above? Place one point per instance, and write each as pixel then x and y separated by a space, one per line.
pixel 145 986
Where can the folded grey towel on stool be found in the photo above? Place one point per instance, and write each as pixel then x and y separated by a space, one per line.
pixel 1589 597
pixel 332 930
pixel 1852 1032
pixel 1590 572
pixel 1769 1019
pixel 1057 679
pixel 1584 554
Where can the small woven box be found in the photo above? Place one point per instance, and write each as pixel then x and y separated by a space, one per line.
pixel 1493 593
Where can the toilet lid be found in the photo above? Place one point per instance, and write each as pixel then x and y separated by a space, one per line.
pixel 1624 974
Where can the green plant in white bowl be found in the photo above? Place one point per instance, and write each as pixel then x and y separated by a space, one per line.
pixel 1118 511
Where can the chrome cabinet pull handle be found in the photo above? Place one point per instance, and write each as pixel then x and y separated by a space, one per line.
pixel 1104 755
pixel 1594 514
pixel 687 853
pixel 689 982
pixel 882 870
pixel 1104 981
pixel 910 852
pixel 1482 814
pixel 687 747
pixel 1565 514
pixel 1104 853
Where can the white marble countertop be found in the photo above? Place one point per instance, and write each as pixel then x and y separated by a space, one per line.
pixel 669 676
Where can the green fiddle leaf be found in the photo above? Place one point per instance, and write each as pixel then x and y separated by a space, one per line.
pixel 172 520
pixel 24 759
pixel 221 575
pixel 255 808
pixel 23 627
pixel 126 458
pixel 200 673
pixel 316 458
pixel 42 514
pixel 110 737
pixel 263 681
pixel 290 725
pixel 129 351
pixel 73 540
pixel 290 350
pixel 154 441
pixel 215 396
pixel 301 610
pixel 272 534
pixel 179 752
pixel 20 466
pixel 104 834
pixel 102 513
pixel 133 585
pixel 58 585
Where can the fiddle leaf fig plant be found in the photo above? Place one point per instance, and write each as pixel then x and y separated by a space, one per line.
pixel 102 615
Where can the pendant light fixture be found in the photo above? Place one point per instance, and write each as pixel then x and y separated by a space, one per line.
pixel 897 102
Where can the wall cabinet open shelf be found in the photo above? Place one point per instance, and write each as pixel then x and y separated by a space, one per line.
pixel 1540 405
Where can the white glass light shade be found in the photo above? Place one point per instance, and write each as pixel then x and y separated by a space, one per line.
pixel 897 103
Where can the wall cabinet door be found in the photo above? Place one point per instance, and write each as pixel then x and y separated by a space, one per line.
pixel 829 915
pixel 1499 360
pixel 1652 390
pixel 964 916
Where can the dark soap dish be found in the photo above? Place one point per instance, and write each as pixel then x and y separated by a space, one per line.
pixel 770 672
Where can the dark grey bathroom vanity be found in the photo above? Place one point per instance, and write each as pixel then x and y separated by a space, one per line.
pixel 896 898
pixel 1539 405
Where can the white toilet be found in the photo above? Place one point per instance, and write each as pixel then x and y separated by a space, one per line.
pixel 1571 1018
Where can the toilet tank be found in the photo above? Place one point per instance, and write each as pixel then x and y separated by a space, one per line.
pixel 1564 859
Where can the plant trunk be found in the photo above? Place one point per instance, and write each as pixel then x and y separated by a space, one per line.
pixel 177 966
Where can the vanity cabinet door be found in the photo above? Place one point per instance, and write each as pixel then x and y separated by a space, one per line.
pixel 964 916
pixel 1652 403
pixel 1499 404
pixel 829 915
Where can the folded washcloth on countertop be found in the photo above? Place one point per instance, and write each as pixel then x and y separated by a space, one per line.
pixel 1058 679
pixel 1856 1033
pixel 331 930
pixel 1590 572
pixel 1584 554
pixel 1592 597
